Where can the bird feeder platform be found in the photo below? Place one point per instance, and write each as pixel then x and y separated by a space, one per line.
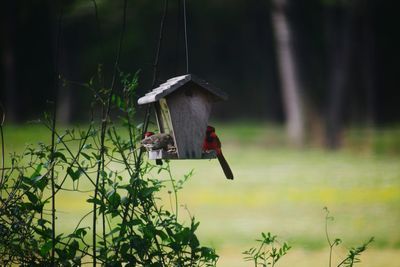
pixel 183 105
pixel 162 154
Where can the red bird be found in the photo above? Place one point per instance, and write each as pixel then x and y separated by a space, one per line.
pixel 212 142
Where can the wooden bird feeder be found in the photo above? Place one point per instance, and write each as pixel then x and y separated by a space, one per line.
pixel 183 107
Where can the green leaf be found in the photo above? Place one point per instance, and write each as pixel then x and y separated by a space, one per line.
pixel 97 157
pixel 46 248
pixel 119 102
pixel 62 254
pixel 85 155
pixel 139 126
pixel 113 231
pixel 41 182
pixel 95 200
pixel 162 235
pixel 103 174
pixel 32 197
pixel 37 178
pixel 124 249
pixel 134 222
pixel 87 146
pixel 81 232
pixel 42 222
pixel 110 193
pixel 73 247
pixel 149 190
pixel 59 155
pixel 74 174
pixel 114 199
pixel 37 171
pixel 194 242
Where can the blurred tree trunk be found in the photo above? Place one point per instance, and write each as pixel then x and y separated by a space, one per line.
pixel 64 108
pixel 62 90
pixel 8 32
pixel 338 29
pixel 368 56
pixel 289 80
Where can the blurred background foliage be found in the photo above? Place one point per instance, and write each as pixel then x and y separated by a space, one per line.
pixel 344 55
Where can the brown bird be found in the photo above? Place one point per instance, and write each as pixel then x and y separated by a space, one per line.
pixel 158 141
pixel 212 142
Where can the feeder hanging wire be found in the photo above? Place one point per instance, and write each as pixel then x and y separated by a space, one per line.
pixel 186 38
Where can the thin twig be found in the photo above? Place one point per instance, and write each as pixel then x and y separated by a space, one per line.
pixel 74 158
pixel 155 71
pixel 104 129
pixel 76 228
pixel 335 242
pixel 174 188
pixel 56 84
pixel 186 38
pixel 160 38
pixel 3 116
pixel 138 161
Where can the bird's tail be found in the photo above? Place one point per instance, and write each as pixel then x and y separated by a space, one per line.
pixel 225 166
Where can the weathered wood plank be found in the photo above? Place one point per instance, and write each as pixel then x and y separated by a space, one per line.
pixel 175 83
pixel 163 116
pixel 190 109
pixel 162 154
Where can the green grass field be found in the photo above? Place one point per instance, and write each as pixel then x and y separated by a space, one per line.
pixel 283 191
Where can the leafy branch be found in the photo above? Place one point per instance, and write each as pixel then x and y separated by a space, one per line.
pixel 353 253
pixel 269 251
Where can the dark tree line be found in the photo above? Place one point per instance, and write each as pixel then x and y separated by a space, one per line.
pixel 344 54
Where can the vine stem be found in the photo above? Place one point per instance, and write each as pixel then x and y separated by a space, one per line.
pixel 53 146
pixel 138 161
pixel 102 155
pixel 186 38
pixel 104 125
pixel 173 188
pixel 3 116
pixel 327 237
pixel 160 38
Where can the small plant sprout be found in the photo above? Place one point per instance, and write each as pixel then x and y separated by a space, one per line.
pixel 268 252
pixel 353 253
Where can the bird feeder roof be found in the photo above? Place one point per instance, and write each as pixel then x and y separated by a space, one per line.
pixel 175 83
